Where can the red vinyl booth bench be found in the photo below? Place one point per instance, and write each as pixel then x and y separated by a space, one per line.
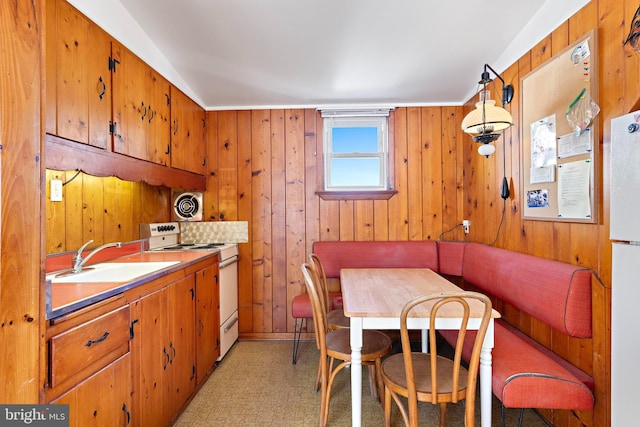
pixel 525 373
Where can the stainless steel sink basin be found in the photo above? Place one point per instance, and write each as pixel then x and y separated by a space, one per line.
pixel 111 272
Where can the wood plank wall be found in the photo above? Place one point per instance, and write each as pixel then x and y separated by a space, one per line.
pixel 100 209
pixel 263 169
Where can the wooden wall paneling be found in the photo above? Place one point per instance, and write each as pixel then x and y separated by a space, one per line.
pixel 414 174
pixel 110 211
pixel 23 361
pixel 279 310
pixel 583 21
pixel 55 213
pixel 431 181
pixel 93 210
pixel 295 206
pixel 227 165
pixel 398 204
pixel 245 208
pixel 312 204
pixel 472 182
pixel 257 317
pixel 510 142
pixel 381 220
pixel 125 214
pixel 329 220
pixel 211 210
pixel 519 242
pixel 364 220
pixel 450 180
pixel 347 220
pixel 72 198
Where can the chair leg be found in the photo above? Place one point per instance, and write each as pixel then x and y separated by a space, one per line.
pixel 502 414
pixel 296 339
pixel 521 417
pixel 387 407
pixel 443 414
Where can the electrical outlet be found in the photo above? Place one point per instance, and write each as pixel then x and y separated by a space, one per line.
pixel 466 223
pixel 56 190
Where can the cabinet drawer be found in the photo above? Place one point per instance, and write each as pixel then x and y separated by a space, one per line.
pixel 86 348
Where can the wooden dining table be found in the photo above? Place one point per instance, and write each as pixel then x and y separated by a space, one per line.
pixel 373 299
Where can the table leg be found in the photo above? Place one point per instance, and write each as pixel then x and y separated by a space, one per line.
pixel 485 378
pixel 356 371
pixel 425 340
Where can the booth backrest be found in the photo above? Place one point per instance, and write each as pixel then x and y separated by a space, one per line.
pixel 556 293
pixel 450 256
pixel 385 254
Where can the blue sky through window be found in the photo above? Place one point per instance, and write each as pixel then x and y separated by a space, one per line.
pixel 355 171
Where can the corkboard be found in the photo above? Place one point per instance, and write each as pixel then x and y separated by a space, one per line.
pixel 559 162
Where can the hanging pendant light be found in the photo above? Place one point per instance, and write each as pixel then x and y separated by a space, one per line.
pixel 486 122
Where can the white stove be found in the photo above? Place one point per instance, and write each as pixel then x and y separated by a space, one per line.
pixel 166 236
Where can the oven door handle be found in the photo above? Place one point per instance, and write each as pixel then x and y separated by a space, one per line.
pixel 230 325
pixel 228 262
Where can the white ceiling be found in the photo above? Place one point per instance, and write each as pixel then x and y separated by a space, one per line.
pixel 240 54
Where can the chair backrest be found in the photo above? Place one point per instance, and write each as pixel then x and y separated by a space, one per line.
pixel 464 304
pixel 311 280
pixel 323 292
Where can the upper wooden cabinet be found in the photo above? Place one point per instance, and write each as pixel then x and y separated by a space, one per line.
pixel 78 83
pixel 187 133
pixel 140 108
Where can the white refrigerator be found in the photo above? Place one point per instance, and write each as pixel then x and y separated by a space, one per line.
pixel 625 286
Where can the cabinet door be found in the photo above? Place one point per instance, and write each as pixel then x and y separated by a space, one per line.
pixel 207 320
pixel 78 95
pixel 151 357
pixel 104 399
pixel 188 149
pixel 182 341
pixel 158 138
pixel 130 104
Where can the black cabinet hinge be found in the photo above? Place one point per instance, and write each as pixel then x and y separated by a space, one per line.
pixel 112 64
pixel 112 128
pixel 131 333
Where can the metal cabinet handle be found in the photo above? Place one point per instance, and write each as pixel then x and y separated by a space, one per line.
pixel 126 411
pixel 175 126
pixel 145 111
pixel 99 340
pixel 174 352
pixel 166 362
pixel 102 87
pixel 152 113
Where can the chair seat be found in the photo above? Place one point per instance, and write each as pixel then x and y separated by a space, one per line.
pixel 375 345
pixel 394 370
pixel 337 320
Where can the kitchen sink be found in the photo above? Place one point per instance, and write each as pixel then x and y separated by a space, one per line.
pixel 110 272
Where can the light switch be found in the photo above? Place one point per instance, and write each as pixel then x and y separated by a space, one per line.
pixel 56 190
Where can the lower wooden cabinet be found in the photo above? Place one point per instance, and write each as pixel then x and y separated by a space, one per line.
pixel 164 351
pixel 138 363
pixel 207 320
pixel 103 399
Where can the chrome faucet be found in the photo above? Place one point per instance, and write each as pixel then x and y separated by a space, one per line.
pixel 79 262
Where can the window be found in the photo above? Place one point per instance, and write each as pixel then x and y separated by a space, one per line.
pixel 356 150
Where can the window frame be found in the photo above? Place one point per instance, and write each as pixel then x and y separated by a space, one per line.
pixel 382 119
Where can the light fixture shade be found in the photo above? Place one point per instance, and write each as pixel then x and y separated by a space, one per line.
pixel 495 119
pixel 486 149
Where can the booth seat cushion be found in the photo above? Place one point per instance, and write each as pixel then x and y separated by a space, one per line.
pixel 527 375
pixel 450 255
pixel 336 255
pixel 301 304
pixel 557 293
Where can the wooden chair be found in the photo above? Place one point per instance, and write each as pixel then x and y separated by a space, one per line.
pixel 334 344
pixel 335 318
pixel 427 377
